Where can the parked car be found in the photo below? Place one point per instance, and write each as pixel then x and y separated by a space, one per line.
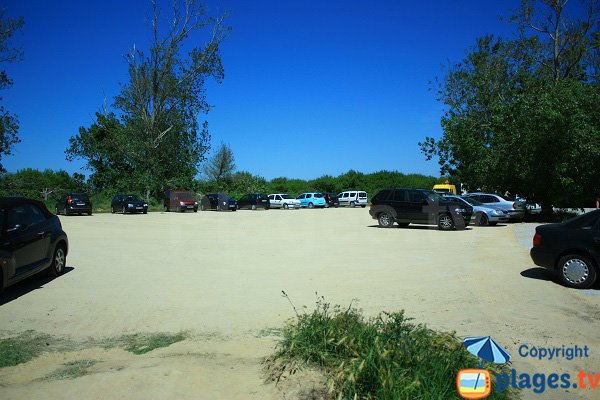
pixel 312 199
pixel 515 209
pixel 283 200
pixel 570 249
pixel 128 203
pixel 74 203
pixel 418 206
pixel 331 200
pixel 530 206
pixel 353 198
pixel 218 202
pixel 253 201
pixel 31 240
pixel 180 201
pixel 482 215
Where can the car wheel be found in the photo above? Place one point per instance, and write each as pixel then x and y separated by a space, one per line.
pixel 202 208
pixel 145 211
pixel 195 209
pixel 218 207
pixel 56 211
pixel 311 205
pixel 58 261
pixel 123 211
pixel 482 220
pixel 362 206
pixel 112 209
pixel 385 220
pixel 90 213
pixel 445 222
pixel 253 207
pixel 285 206
pixel 352 204
pixel 576 271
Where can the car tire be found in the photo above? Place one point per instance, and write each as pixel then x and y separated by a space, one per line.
pixel 445 222
pixel 362 206
pixel 352 204
pixel 285 206
pixel 202 208
pixel 195 209
pixel 576 271
pixel 56 211
pixel 166 209
pixel 145 211
pixel 112 209
pixel 385 220
pixel 59 261
pixel 218 207
pixel 253 207
pixel 311 205
pixel 482 220
pixel 90 213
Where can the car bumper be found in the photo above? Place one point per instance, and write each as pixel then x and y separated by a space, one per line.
pixel 75 210
pixel 136 209
pixel 542 257
pixel 516 215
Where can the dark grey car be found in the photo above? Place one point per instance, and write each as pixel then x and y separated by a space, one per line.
pixel 31 240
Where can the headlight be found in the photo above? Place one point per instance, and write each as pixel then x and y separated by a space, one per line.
pixel 145 205
pixel 129 205
pixel 460 210
pixel 181 203
pixel 195 203
pixel 498 212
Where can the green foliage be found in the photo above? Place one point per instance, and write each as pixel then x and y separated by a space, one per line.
pixel 141 344
pixel 522 119
pixel 9 123
pixel 45 185
pixel 156 141
pixel 72 370
pixel 385 357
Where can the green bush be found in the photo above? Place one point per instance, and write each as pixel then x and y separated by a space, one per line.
pixel 385 357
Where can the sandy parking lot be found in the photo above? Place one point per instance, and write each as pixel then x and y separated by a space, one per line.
pixel 219 276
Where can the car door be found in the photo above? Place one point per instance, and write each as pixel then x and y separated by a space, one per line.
pixel 399 202
pixel 302 199
pixel 417 208
pixel 25 237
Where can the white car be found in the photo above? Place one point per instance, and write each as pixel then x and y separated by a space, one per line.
pixel 353 198
pixel 283 200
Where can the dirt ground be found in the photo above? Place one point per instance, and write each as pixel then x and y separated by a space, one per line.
pixel 219 276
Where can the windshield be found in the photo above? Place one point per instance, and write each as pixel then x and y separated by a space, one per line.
pixel 184 196
pixel 132 197
pixel 431 195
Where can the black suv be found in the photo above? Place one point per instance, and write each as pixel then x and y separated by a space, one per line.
pixel 418 206
pixel 74 203
pixel 331 200
pixel 31 240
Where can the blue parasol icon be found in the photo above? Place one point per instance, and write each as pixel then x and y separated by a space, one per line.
pixel 487 349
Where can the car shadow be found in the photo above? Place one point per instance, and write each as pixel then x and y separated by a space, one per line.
pixel 419 228
pixel 544 274
pixel 28 285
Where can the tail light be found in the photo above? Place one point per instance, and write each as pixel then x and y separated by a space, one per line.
pixel 69 200
pixel 371 206
pixel 514 206
pixel 537 240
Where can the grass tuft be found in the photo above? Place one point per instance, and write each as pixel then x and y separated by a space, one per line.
pixel 144 343
pixel 20 349
pixel 386 357
pixel 72 370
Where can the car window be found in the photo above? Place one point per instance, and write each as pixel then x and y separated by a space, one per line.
pixel 382 195
pixel 286 196
pixel 362 195
pixel 399 195
pixel 490 199
pixel 346 195
pixel 35 214
pixel 416 197
pixel 353 194
pixel 271 197
pixel 16 217
pixel 300 197
pixel 318 195
pixel 278 197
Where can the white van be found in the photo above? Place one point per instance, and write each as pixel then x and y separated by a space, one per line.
pixel 353 198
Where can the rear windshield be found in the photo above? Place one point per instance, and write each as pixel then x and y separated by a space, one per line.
pixel 362 195
pixel 80 198
pixel 318 195
pixel 132 198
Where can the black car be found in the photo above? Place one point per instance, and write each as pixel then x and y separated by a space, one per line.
pixel 418 206
pixel 128 203
pixel 74 203
pixel 252 201
pixel 331 200
pixel 218 202
pixel 31 240
pixel 570 249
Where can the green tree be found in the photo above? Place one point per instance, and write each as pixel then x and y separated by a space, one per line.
pixel 9 123
pixel 161 140
pixel 522 118
pixel 221 166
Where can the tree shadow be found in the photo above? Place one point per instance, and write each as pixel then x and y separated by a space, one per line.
pixel 29 285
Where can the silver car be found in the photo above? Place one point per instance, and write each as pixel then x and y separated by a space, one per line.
pixel 514 209
pixel 482 214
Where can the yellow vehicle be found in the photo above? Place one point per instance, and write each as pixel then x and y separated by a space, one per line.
pixel 445 187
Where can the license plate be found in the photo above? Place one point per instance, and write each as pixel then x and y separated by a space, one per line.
pixel 264 201
pixel 81 204
pixel 139 208
pixel 190 206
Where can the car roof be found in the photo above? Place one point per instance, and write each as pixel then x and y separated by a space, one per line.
pixel 19 200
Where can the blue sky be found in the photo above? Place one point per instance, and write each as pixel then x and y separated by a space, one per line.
pixel 311 87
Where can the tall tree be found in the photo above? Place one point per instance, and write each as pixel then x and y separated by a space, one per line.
pixel 160 106
pixel 9 123
pixel 222 165
pixel 523 118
